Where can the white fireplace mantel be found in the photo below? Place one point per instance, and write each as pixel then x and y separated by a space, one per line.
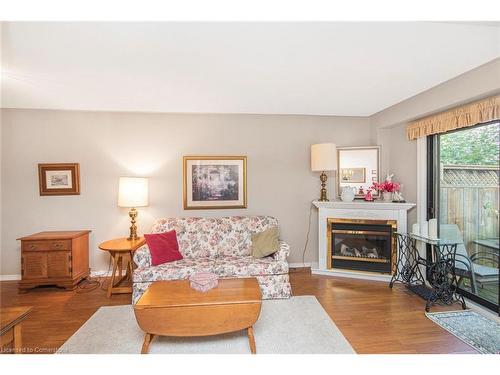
pixel 362 205
pixel 376 210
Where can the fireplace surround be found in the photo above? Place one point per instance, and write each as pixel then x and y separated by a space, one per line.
pixel 361 245
pixel 362 212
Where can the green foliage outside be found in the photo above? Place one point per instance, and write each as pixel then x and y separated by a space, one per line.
pixel 477 146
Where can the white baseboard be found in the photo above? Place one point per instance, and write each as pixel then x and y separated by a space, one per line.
pixel 299 265
pixel 100 273
pixel 10 277
pixel 18 277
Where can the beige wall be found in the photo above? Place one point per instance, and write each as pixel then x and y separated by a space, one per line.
pixel 399 155
pixel 109 145
pixel 475 84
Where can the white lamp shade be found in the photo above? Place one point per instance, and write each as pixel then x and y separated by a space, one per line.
pixel 323 157
pixel 133 192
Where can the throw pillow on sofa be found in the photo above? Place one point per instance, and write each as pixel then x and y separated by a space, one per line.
pixel 265 243
pixel 163 247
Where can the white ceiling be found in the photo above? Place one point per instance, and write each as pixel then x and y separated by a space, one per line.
pixel 337 68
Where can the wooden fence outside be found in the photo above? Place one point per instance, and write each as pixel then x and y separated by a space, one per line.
pixel 473 209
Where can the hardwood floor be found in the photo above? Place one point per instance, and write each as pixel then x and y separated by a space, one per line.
pixel 374 318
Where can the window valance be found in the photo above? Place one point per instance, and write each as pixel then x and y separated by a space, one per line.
pixel 460 117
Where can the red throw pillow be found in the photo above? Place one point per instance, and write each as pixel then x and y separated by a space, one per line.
pixel 163 247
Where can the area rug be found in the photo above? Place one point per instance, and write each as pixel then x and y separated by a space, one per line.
pixel 481 333
pixel 298 325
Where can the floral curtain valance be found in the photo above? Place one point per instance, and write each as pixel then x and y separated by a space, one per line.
pixel 461 117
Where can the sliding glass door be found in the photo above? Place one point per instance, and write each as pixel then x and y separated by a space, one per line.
pixel 465 191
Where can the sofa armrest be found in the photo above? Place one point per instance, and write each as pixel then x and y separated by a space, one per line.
pixel 283 251
pixel 142 257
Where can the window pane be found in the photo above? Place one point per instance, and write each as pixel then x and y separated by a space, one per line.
pixel 469 204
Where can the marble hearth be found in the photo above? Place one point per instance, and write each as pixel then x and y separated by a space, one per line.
pixel 376 211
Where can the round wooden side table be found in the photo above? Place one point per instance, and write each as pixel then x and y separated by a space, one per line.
pixel 121 251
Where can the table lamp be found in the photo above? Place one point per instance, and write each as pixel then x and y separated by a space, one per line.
pixel 133 192
pixel 323 159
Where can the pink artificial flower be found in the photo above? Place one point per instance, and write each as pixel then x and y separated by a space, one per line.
pixel 388 186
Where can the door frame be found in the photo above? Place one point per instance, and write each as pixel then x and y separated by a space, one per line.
pixel 428 201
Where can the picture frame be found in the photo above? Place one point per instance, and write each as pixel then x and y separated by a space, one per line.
pixel 214 182
pixel 59 178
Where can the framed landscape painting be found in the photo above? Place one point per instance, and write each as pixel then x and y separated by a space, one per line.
pixel 59 179
pixel 212 182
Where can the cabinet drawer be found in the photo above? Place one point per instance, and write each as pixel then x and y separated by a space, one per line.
pixel 46 245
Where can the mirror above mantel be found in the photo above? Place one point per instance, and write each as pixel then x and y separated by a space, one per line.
pixel 358 167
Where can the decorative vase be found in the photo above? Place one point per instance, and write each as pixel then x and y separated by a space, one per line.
pixel 348 194
pixel 387 196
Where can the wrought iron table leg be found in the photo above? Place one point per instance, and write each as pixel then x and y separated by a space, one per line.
pixel 406 270
pixel 442 277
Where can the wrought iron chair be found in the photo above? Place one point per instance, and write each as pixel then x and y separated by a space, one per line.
pixel 466 266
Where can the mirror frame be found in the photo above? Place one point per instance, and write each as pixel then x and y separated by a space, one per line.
pixel 378 148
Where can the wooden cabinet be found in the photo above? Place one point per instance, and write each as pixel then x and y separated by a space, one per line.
pixel 59 264
pixel 33 265
pixel 54 258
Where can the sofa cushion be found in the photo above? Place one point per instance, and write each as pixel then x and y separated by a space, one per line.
pixel 249 266
pixel 224 267
pixel 201 237
pixel 142 257
pixel 163 247
pixel 265 243
pixel 177 270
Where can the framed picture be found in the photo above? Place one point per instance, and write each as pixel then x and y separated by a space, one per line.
pixel 353 175
pixel 59 179
pixel 211 182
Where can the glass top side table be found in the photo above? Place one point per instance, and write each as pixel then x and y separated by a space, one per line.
pixel 440 269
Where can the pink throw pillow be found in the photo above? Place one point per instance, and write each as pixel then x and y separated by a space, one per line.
pixel 163 247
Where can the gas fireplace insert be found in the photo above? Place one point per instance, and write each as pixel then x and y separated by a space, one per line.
pixel 362 245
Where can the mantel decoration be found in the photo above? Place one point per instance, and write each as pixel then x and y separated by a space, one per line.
pixel 59 179
pixel 390 190
pixel 369 196
pixel 214 182
pixel 348 194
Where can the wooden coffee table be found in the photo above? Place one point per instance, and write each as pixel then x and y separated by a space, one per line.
pixel 11 319
pixel 173 308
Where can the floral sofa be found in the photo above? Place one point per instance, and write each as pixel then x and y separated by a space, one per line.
pixel 221 245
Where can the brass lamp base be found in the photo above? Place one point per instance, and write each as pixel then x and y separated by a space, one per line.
pixel 133 228
pixel 323 178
